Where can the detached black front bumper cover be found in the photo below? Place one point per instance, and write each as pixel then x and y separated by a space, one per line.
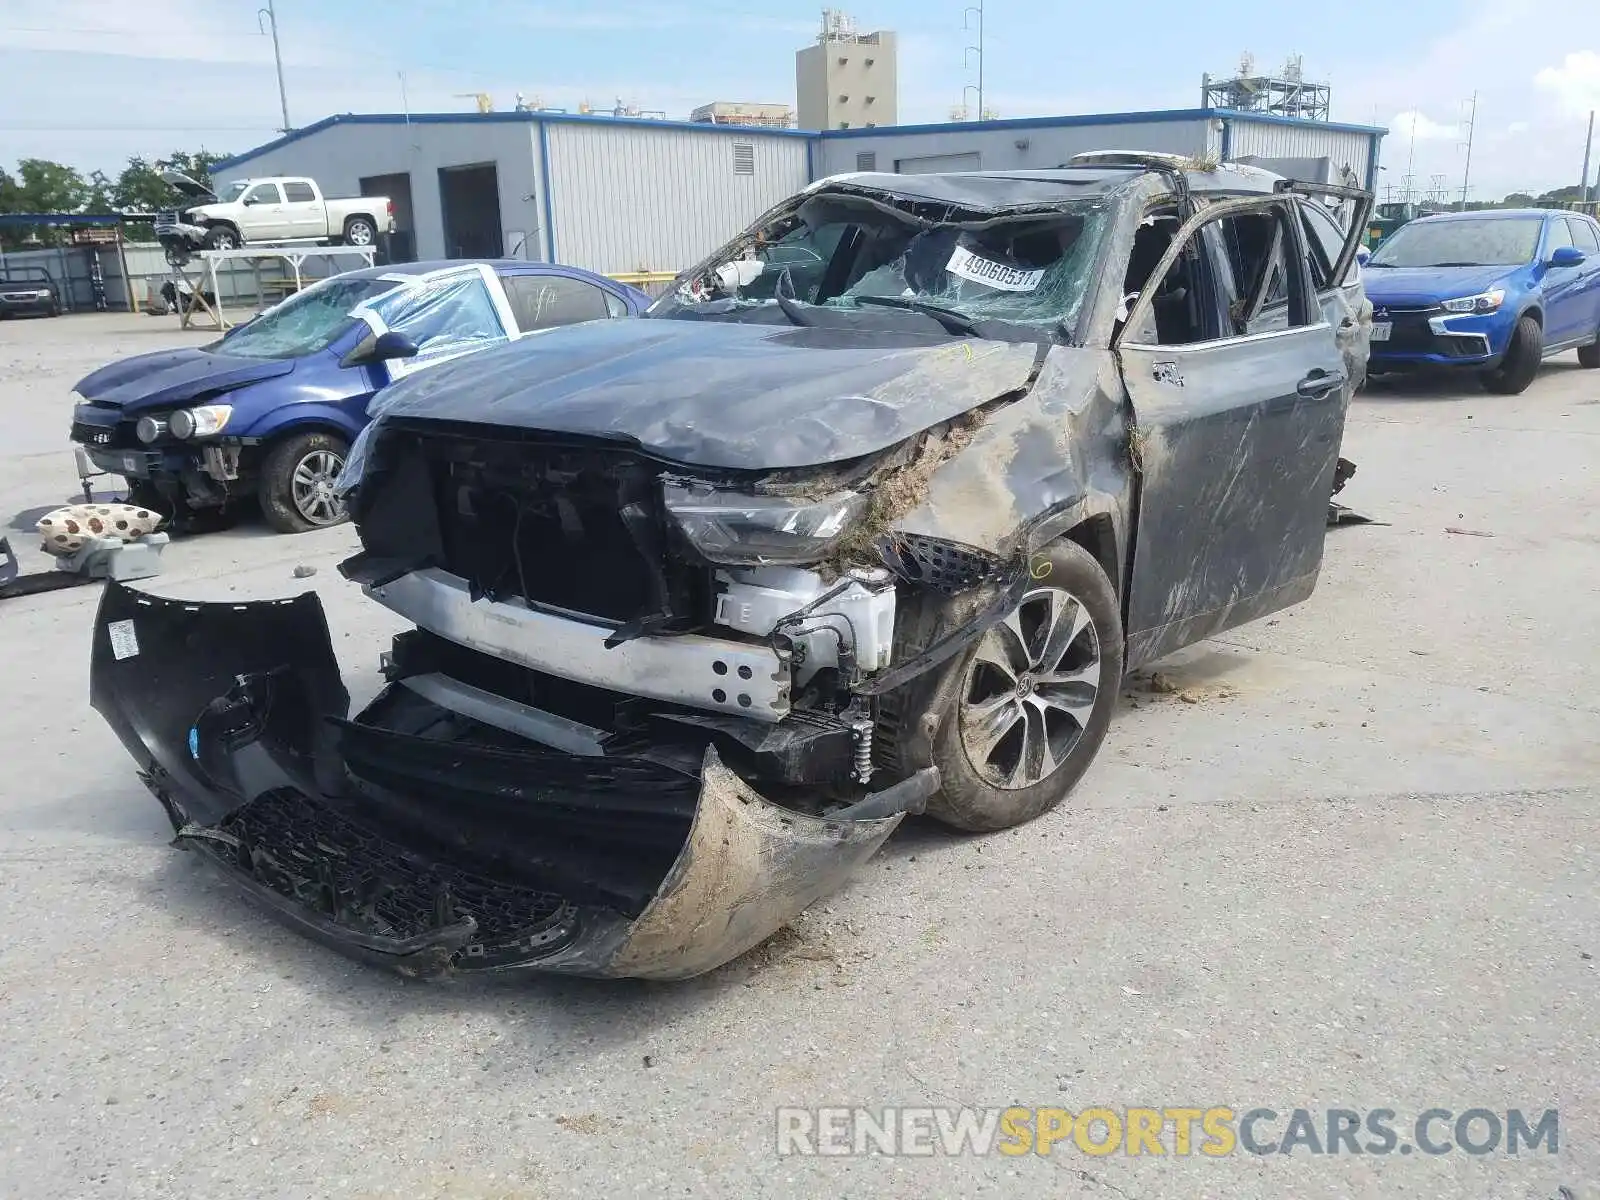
pixel 237 717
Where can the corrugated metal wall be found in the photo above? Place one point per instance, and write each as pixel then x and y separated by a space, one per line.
pixel 1346 148
pixel 636 198
pixel 338 158
pixel 1014 148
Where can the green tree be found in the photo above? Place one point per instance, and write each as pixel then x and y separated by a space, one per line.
pixel 195 164
pixel 45 186
pixel 139 188
pixel 99 199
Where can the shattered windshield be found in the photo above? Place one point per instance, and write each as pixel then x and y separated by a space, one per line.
pixel 1477 242
pixel 306 322
pixel 836 254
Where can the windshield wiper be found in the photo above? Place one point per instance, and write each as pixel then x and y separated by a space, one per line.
pixel 954 322
pixel 1461 264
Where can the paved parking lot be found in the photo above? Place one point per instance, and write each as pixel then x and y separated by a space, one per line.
pixel 1351 861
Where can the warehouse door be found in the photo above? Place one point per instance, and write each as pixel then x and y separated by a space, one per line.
pixel 402 243
pixel 934 164
pixel 469 199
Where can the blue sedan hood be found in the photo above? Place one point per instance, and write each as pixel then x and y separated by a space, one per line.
pixel 1423 286
pixel 170 377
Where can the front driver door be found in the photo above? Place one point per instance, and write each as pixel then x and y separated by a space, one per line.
pixel 1236 436
pixel 265 220
pixel 1563 287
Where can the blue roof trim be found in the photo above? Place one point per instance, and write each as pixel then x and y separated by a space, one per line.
pixel 1233 114
pixel 1158 116
pixel 501 118
pixel 1133 118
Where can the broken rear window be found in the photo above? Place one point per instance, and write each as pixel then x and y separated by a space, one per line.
pixel 854 254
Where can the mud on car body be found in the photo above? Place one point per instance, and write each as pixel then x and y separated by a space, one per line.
pixel 869 516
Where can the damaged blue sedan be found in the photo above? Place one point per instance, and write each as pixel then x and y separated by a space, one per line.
pixel 869 516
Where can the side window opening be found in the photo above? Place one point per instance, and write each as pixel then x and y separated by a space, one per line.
pixel 1235 276
pixel 1175 307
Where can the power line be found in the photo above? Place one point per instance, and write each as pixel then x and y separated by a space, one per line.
pixel 131 31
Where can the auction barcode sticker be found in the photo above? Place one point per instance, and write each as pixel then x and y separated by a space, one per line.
pixel 124 642
pixel 996 275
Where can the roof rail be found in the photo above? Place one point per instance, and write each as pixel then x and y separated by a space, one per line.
pixel 1149 160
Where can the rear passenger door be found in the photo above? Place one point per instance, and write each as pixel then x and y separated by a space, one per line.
pixel 543 300
pixel 1238 420
pixel 302 211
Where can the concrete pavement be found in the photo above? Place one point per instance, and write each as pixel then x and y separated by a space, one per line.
pixel 1348 860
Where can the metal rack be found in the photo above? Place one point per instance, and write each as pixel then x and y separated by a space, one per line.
pixel 294 256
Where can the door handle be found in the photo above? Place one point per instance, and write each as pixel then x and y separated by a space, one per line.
pixel 1319 383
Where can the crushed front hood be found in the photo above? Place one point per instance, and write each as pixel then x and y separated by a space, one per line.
pixel 169 377
pixel 714 394
pixel 375 841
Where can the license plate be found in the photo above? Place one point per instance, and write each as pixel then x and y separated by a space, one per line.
pixel 132 462
pixel 1380 330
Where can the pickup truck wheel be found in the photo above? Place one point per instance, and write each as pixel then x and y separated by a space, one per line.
pixel 359 231
pixel 220 237
pixel 1521 361
pixel 297 479
pixel 1032 700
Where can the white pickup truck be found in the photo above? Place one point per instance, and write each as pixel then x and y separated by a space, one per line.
pixel 278 209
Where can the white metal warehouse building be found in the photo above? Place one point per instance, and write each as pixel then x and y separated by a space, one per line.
pixel 620 195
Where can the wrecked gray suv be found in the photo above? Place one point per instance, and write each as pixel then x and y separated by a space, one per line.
pixel 869 516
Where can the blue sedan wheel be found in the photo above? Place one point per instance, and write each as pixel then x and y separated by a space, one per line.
pixel 298 479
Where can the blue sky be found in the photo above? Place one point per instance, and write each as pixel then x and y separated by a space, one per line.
pixel 92 83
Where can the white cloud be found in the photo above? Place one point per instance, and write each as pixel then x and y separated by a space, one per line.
pixel 1417 125
pixel 1576 82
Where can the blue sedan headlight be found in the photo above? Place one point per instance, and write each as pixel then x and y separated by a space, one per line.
pixel 1483 302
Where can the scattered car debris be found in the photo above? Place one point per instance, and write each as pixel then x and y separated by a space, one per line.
pixel 1468 532
pixel 90 543
pixel 870 515
pixel 304 572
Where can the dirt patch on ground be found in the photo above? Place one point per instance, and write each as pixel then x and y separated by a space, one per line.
pixel 1156 686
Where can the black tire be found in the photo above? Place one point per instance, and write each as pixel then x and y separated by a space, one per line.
pixel 970 798
pixel 1521 362
pixel 282 497
pixel 222 237
pixel 360 231
pixel 1589 356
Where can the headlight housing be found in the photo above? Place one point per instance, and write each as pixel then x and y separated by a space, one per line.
pixel 1483 302
pixel 207 420
pixel 738 529
pixel 148 429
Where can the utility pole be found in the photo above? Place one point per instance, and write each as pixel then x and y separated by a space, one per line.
pixel 1588 146
pixel 1466 174
pixel 1411 159
pixel 966 18
pixel 270 17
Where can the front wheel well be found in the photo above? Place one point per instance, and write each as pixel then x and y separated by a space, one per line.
pixel 1535 312
pixel 1098 535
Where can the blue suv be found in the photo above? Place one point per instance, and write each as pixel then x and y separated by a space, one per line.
pixel 1494 292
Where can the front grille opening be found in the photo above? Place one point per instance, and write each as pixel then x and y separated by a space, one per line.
pixel 363 880
pixel 575 528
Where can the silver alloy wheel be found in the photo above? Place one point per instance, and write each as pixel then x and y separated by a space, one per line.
pixel 1030 689
pixel 311 487
pixel 359 234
